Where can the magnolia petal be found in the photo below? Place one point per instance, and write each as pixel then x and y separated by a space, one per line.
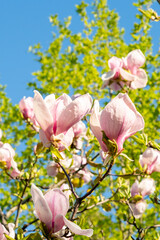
pixel 73 113
pixel 11 230
pixel 147 186
pixel 127 76
pixel 95 125
pixel 44 139
pixel 41 207
pixel 76 229
pixel 57 202
pixel 140 79
pixel 135 189
pixel 135 59
pixel 106 77
pixel 42 114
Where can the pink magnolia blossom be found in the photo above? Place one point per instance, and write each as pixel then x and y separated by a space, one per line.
pixel 138 208
pixel 144 188
pixel 151 160
pixel 51 210
pixel 4 231
pixel 7 154
pixel 126 71
pixel 26 108
pixel 119 120
pixel 56 117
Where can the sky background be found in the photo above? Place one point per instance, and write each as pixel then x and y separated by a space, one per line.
pixel 26 23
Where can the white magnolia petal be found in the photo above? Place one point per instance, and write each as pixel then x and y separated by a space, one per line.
pixel 76 229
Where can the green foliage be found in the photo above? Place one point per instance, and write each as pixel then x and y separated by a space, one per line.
pixel 73 63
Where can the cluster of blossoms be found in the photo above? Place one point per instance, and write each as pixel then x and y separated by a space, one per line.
pixel 59 124
pixel 126 71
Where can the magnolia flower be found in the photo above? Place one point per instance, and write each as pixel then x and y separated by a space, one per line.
pixel 126 71
pixel 7 154
pixel 150 159
pixel 119 120
pixel 142 189
pixel 56 117
pixel 26 108
pixel 138 208
pixel 3 231
pixel 51 210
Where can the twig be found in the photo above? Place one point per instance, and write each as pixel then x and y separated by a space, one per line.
pixel 69 181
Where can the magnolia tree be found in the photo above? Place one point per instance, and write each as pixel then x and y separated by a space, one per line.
pixel 85 165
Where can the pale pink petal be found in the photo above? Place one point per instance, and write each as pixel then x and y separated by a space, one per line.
pixel 52 169
pixel 41 207
pixel 107 77
pixel 135 59
pixel 46 142
pixel 147 186
pixel 76 229
pixel 42 114
pixel 74 112
pixel 135 189
pixel 127 76
pixel 138 208
pixel 140 80
pixel 95 125
pixel 115 62
pixel 57 202
pixel 11 230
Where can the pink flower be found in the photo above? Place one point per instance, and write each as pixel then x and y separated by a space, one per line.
pixel 51 210
pixel 144 188
pixel 26 108
pixel 119 120
pixel 151 160
pixel 3 231
pixel 126 71
pixel 57 117
pixel 7 154
pixel 138 208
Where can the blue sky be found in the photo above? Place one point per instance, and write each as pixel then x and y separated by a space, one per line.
pixel 26 23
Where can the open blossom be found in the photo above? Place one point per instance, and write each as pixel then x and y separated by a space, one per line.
pixel 150 159
pixel 144 188
pixel 26 108
pixel 51 210
pixel 3 231
pixel 56 117
pixel 126 71
pixel 119 120
pixel 7 154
